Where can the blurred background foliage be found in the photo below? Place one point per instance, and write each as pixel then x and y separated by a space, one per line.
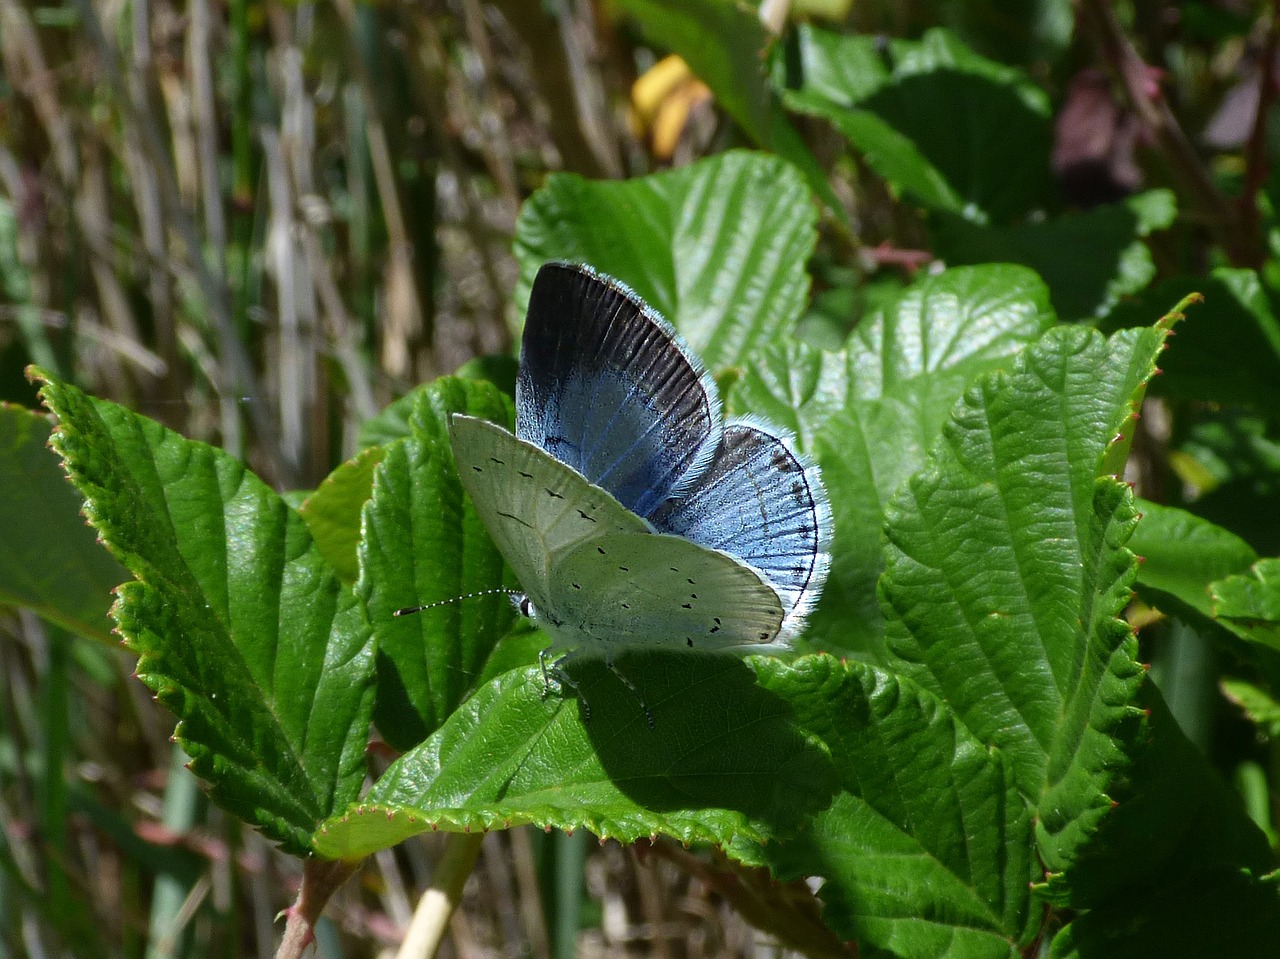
pixel 260 222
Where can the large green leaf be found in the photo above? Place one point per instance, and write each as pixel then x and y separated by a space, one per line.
pixel 1229 349
pixel 49 561
pixel 724 759
pixel 870 413
pixel 929 116
pixel 926 850
pixel 423 543
pixel 1006 572
pixel 1117 264
pixel 1177 869
pixel 240 626
pixel 718 248
pixel 1183 554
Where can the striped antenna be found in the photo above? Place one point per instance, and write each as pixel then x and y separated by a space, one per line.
pixel 409 610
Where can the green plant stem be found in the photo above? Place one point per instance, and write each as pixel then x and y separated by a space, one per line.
pixel 431 918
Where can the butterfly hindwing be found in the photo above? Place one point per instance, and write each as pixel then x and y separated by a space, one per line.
pixel 762 503
pixel 663 591
pixel 607 387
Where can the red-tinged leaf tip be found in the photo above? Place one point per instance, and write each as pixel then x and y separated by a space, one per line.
pixel 1118 438
pixel 391 815
pixel 1140 559
pixel 547 830
pixel 1114 804
pixel 1146 667
pixel 1157 372
pixel 568 832
pixel 467 829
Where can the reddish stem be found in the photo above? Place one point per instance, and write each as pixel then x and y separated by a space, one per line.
pixel 320 879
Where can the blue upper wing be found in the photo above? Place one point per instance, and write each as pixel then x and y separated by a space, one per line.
pixel 762 503
pixel 607 387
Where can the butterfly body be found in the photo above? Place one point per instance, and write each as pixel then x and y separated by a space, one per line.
pixel 633 516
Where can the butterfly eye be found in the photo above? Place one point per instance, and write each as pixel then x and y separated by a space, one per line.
pixel 526 608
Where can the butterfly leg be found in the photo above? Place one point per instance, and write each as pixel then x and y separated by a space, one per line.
pixel 648 716
pixel 555 673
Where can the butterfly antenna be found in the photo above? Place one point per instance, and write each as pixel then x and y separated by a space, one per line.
pixel 409 610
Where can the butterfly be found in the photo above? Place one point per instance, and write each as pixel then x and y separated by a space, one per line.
pixel 632 515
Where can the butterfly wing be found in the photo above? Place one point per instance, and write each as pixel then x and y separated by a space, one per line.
pixel 609 388
pixel 761 502
pixel 534 507
pixel 597 575
pixel 647 589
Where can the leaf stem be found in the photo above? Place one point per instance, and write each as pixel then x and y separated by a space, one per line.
pixel 436 907
pixel 320 879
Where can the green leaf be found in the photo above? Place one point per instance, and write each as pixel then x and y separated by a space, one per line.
pixel 930 120
pixel 49 561
pixel 1006 572
pixel 1178 836
pixel 240 626
pixel 1029 32
pixel 333 511
pixel 1229 349
pixel 723 760
pixel 391 424
pixel 870 414
pixel 1182 554
pixel 1231 458
pixel 792 385
pixel 725 44
pixel 1118 263
pixel 947 329
pixel 1251 602
pixel 718 248
pixel 1258 705
pixel 423 543
pixel 926 851
pixel 1215 912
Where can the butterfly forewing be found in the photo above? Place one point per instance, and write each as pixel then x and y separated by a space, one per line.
pixel 607 387
pixel 533 506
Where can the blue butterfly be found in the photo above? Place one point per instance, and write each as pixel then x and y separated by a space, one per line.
pixel 632 515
